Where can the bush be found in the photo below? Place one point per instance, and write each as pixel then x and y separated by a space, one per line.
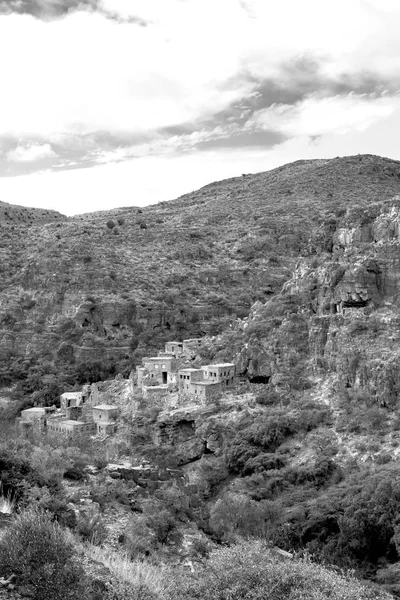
pixel 138 539
pixel 91 528
pixel 161 523
pixel 237 514
pixel 110 224
pixel 248 571
pixel 38 552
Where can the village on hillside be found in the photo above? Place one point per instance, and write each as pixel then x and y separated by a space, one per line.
pixel 169 375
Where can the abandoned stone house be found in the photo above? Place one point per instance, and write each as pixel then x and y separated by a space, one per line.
pixel 72 419
pixel 105 418
pixel 73 399
pixel 174 348
pixel 70 427
pixel 35 417
pixel 168 373
pixel 223 373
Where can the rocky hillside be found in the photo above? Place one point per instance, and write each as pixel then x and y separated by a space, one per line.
pixel 109 286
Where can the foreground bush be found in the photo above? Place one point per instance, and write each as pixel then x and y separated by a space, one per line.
pixel 248 571
pixel 131 580
pixel 38 552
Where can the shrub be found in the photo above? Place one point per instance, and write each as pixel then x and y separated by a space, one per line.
pixel 138 539
pixel 38 552
pixel 248 571
pixel 238 514
pixel 110 224
pixel 161 523
pixel 91 528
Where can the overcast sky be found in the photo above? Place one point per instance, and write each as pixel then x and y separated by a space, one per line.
pixel 107 103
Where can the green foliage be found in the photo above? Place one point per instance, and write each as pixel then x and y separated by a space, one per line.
pixel 38 552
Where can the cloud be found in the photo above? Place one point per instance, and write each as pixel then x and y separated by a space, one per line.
pixel 31 153
pixel 316 116
pixel 45 8
pixel 92 86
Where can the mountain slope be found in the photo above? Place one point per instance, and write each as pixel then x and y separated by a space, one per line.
pixel 114 284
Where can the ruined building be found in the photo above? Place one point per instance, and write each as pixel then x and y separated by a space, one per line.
pixel 71 419
pixel 171 372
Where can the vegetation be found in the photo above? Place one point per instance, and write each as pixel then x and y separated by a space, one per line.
pixel 38 552
pixel 248 571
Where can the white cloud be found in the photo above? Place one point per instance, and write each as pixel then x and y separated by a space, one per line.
pixel 31 153
pixel 86 73
pixel 319 116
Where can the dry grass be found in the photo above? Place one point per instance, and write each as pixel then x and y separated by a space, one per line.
pixel 137 574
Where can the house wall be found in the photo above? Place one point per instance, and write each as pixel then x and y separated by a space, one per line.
pixel 106 428
pixel 73 412
pixel 72 429
pixel 220 374
pixel 155 392
pixel 70 399
pixel 205 393
pixel 185 377
pixel 191 346
pixel 104 415
pixel 175 348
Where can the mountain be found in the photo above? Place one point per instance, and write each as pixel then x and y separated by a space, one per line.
pixel 293 274
pixel 110 286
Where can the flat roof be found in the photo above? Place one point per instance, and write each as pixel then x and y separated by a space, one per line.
pixel 71 394
pixel 70 422
pixel 205 383
pixel 193 340
pixel 106 407
pixel 35 409
pixel 218 365
pixel 174 343
pixel 158 357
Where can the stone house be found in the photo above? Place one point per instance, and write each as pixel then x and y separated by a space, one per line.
pixel 68 399
pixel 223 373
pixel 186 377
pixel 161 369
pixel 205 391
pixel 35 417
pixel 73 412
pixel 104 417
pixel 174 348
pixel 70 427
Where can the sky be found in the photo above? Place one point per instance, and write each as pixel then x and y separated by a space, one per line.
pixel 108 103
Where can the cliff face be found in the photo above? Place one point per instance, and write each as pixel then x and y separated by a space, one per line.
pixel 337 315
